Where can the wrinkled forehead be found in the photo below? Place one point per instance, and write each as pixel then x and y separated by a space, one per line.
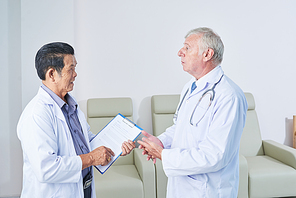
pixel 192 39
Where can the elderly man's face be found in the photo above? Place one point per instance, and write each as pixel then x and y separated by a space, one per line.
pixel 191 60
pixel 65 81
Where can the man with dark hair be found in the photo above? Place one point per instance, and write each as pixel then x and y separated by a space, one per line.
pixel 51 55
pixel 55 135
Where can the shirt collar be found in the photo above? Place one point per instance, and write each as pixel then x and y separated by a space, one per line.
pixel 210 78
pixel 71 102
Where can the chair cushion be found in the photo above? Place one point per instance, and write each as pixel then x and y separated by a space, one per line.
pixel 243 190
pixel 109 107
pixel 161 122
pixel 161 180
pixel 250 101
pixel 270 178
pixel 163 108
pixel 166 104
pixel 125 179
pixel 251 142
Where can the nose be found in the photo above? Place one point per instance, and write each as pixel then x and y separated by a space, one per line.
pixel 75 74
pixel 181 53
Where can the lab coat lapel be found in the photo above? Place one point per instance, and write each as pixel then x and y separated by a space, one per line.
pixel 208 80
pixel 57 111
pixel 49 101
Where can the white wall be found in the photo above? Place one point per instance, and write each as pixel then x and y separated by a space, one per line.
pixel 42 22
pixel 129 48
pixel 10 105
pixel 25 26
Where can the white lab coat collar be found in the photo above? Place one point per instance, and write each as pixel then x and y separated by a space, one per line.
pixel 58 112
pixel 49 101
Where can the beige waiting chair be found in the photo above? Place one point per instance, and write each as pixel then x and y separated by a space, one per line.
pixel 163 108
pixel 272 166
pixel 131 176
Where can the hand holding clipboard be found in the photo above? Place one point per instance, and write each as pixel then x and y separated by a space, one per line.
pixel 113 135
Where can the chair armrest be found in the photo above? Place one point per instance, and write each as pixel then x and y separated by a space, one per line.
pixel 243 190
pixel 147 173
pixel 280 152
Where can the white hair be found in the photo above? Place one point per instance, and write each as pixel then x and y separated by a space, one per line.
pixel 211 40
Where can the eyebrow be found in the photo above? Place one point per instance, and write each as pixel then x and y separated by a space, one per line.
pixel 187 44
pixel 73 65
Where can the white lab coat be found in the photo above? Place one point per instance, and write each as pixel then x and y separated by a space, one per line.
pixel 203 161
pixel 51 167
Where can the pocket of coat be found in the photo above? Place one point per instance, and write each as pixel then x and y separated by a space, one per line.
pixel 199 179
pixel 65 190
pixel 198 184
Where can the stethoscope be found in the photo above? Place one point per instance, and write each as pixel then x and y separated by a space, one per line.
pixel 204 106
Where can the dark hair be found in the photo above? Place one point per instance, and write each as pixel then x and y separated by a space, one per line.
pixel 51 55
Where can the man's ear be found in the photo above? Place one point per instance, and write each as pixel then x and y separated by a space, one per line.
pixel 208 54
pixel 50 75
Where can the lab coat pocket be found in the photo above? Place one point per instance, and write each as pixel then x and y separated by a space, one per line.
pixel 65 190
pixel 198 184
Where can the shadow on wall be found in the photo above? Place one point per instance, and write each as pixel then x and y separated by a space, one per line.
pixel 144 116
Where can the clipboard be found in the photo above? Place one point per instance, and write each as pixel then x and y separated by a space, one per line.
pixel 118 130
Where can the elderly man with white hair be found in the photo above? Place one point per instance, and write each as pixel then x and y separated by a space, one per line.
pixel 200 151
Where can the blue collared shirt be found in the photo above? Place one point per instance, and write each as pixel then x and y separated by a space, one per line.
pixel 70 112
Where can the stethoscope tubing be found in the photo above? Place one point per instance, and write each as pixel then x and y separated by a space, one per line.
pixel 206 92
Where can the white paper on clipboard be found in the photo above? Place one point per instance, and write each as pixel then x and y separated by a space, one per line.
pixel 118 130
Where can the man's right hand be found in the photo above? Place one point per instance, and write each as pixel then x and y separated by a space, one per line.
pixel 154 140
pixel 100 156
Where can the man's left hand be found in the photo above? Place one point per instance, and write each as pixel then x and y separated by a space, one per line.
pixel 127 147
